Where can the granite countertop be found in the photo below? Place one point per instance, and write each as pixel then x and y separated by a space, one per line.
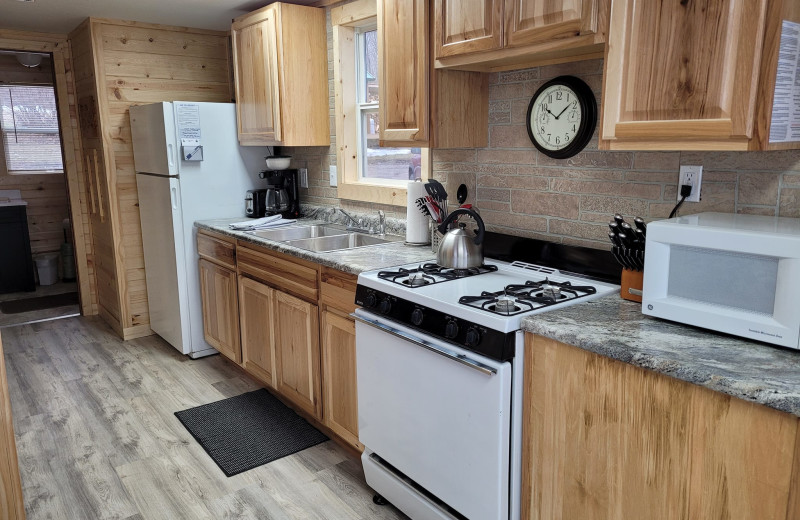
pixel 352 261
pixel 616 328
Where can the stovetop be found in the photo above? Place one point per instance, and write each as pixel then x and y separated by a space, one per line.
pixel 474 297
pixel 415 276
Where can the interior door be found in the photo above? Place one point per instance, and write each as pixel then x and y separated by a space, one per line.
pixel 465 26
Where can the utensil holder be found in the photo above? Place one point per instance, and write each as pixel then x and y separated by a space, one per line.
pixel 631 285
pixel 436 237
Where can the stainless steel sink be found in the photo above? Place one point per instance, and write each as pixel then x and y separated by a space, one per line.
pixel 335 243
pixel 298 232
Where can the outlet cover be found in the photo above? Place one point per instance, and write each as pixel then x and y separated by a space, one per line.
pixel 303 172
pixel 693 176
pixel 334 176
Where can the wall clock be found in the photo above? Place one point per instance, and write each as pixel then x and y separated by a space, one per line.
pixel 562 116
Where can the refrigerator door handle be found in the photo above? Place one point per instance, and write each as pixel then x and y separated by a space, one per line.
pixel 170 157
pixel 174 196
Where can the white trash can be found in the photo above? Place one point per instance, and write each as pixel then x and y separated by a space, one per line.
pixel 47 267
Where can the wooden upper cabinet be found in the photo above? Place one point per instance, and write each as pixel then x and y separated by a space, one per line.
pixel 281 76
pixel 692 75
pixel 491 35
pixel 403 71
pixel 536 21
pixel 465 26
pixel 256 71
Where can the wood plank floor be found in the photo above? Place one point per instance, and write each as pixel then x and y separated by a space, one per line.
pixel 97 438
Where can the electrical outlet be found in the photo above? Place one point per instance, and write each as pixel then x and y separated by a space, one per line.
pixel 303 177
pixel 334 177
pixel 691 175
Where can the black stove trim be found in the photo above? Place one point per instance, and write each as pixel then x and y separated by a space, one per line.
pixel 597 264
pixel 492 344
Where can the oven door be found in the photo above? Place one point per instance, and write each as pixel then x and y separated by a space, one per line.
pixel 437 413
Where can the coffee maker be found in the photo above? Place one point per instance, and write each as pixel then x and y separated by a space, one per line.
pixel 281 196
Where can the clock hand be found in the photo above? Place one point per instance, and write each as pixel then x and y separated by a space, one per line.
pixel 565 109
pixel 552 114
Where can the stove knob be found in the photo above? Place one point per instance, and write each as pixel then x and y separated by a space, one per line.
pixel 370 300
pixel 473 337
pixel 385 306
pixel 417 316
pixel 451 329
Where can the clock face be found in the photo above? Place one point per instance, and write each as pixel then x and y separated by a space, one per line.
pixel 556 117
pixel 562 116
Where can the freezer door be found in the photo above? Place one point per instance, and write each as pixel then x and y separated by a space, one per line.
pixel 153 133
pixel 162 238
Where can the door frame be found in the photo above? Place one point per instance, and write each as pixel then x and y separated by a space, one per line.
pixel 58 46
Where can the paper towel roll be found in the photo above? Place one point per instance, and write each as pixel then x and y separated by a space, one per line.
pixel 417 224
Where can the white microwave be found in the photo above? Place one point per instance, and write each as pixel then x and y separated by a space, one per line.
pixel 738 274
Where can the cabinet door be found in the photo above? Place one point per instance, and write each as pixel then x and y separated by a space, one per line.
pixel 533 21
pixel 339 394
pixel 256 323
pixel 403 76
pixel 676 71
pixel 220 309
pixel 297 352
pixel 465 26
pixel 255 67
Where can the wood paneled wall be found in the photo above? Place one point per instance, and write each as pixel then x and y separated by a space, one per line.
pixel 120 64
pixel 47 225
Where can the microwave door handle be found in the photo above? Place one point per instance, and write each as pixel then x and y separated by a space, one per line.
pixel 471 363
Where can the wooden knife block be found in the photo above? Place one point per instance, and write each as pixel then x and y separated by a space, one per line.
pixel 631 281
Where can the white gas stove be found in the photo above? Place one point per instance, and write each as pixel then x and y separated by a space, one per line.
pixel 440 370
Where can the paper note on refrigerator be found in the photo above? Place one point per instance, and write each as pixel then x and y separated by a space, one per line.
pixel 188 115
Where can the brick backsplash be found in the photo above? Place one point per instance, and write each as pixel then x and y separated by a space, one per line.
pixel 522 192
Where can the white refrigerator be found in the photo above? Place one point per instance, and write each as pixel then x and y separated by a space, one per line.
pixel 189 166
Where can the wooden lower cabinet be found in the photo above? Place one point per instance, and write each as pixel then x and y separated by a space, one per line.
pixel 296 329
pixel 11 503
pixel 607 440
pixel 220 309
pixel 340 398
pixel 256 322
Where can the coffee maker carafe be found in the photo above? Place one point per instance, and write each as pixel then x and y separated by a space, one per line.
pixel 276 198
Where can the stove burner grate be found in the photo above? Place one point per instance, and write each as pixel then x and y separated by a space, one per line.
pixel 518 298
pixel 427 274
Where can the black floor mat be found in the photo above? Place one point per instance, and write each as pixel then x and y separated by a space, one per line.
pixel 249 430
pixel 38 303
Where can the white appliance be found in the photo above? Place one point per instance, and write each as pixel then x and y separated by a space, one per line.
pixel 439 367
pixel 189 166
pixel 738 274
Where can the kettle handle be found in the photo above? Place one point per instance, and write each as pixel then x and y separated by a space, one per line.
pixel 464 211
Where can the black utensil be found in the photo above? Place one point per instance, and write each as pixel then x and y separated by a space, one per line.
pixel 614 238
pixel 618 218
pixel 626 240
pixel 638 233
pixel 617 252
pixel 437 191
pixel 626 228
pixel 461 194
pixel 614 227
pixel 639 222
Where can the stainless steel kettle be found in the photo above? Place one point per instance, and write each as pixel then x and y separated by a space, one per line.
pixel 460 249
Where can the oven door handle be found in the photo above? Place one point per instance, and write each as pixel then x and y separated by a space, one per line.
pixel 460 358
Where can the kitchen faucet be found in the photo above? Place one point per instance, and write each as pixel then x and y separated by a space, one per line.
pixel 356 225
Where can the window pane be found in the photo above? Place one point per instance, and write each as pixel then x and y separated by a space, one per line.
pixel 30 128
pixel 370 67
pixel 387 163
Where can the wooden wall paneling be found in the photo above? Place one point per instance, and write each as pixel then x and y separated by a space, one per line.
pixel 12 506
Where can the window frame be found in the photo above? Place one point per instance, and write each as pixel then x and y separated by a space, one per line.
pixel 346 23
pixel 4 170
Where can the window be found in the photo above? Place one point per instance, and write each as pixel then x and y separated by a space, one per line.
pixel 366 171
pixel 30 142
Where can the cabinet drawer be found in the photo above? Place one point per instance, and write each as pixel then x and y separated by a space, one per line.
pixel 282 271
pixel 338 289
pixel 216 249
